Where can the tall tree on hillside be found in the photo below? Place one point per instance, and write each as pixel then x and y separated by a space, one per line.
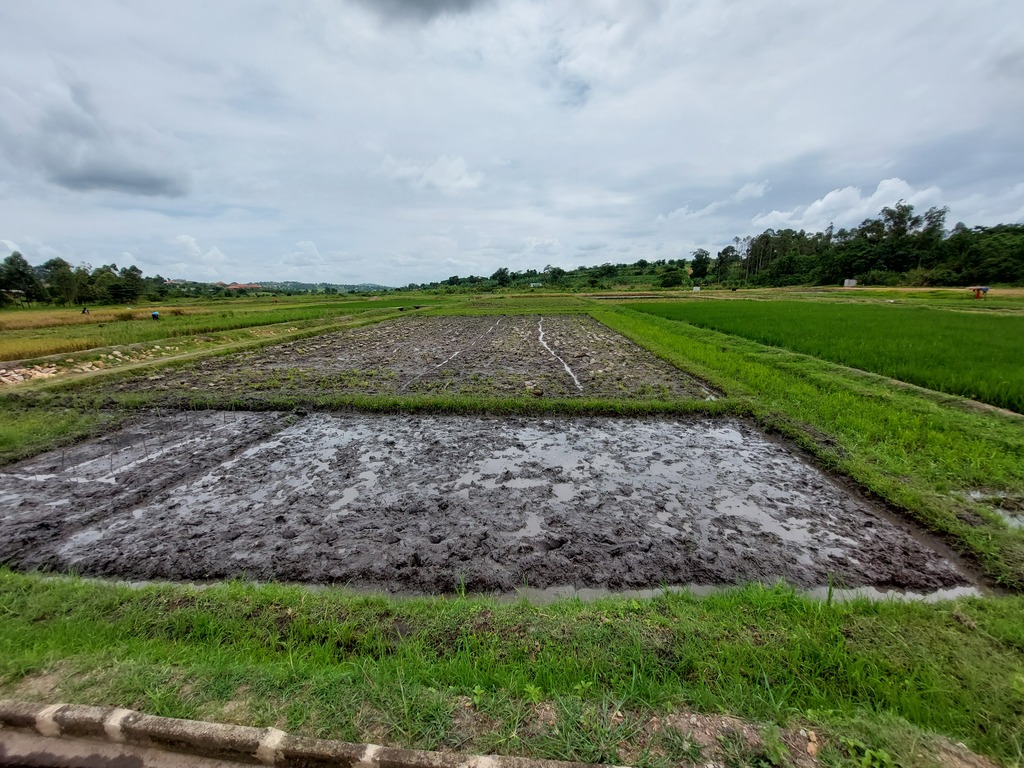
pixel 502 276
pixel 727 258
pixel 900 224
pixel 130 285
pixel 17 275
pixel 60 280
pixel 700 264
pixel 929 240
pixel 555 275
pixel 105 283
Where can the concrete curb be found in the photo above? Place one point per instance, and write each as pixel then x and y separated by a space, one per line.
pixel 234 743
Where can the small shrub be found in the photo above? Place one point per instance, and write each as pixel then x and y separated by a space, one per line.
pixel 879 277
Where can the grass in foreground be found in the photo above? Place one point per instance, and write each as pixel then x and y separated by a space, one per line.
pixel 570 680
pixel 972 354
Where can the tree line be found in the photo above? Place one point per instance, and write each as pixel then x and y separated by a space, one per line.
pixel 899 247
pixel 56 281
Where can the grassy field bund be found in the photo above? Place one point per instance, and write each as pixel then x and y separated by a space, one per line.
pixel 616 680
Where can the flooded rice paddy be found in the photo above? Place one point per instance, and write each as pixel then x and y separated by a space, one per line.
pixel 425 504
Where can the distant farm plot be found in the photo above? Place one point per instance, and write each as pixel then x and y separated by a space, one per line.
pixel 33 334
pixel 972 354
pixel 561 356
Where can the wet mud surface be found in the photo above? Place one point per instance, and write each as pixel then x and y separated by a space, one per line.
pixel 551 356
pixel 430 504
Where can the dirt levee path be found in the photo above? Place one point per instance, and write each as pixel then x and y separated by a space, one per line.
pixel 424 504
pixel 553 356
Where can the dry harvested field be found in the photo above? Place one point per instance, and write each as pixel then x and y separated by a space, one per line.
pixel 428 503
pixel 550 356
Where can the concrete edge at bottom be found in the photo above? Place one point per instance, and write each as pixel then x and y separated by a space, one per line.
pixel 236 743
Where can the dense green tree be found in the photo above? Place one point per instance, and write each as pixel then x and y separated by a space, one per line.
pixel 104 282
pixel 673 278
pixel 700 264
pixel 60 281
pixel 129 286
pixel 502 277
pixel 18 279
pixel 555 275
pixel 724 265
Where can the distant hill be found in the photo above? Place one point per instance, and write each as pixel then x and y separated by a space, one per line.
pixel 297 287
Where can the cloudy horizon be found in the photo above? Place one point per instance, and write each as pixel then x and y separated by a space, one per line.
pixel 397 141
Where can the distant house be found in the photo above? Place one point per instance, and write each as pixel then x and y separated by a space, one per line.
pixel 536 285
pixel 244 287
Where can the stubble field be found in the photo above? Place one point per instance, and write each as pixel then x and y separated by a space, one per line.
pixel 557 356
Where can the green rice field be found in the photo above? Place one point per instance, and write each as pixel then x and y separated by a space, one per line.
pixel 971 354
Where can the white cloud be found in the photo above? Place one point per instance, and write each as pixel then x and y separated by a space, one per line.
pixel 749 191
pixel 848 206
pixel 395 140
pixel 208 263
pixel 1002 206
pixel 449 175
pixel 543 246
pixel 305 254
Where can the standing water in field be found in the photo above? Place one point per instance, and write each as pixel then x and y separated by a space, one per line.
pixel 428 504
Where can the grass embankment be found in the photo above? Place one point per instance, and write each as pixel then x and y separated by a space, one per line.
pixel 972 354
pixel 999 298
pixel 919 454
pixel 516 304
pixel 26 432
pixel 449 405
pixel 572 680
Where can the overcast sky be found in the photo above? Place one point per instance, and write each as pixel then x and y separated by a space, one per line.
pixel 397 141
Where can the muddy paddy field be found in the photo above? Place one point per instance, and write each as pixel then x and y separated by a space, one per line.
pixel 562 356
pixel 429 504
pixel 433 504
